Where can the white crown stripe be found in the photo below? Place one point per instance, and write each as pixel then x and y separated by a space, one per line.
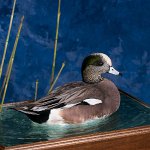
pixel 106 58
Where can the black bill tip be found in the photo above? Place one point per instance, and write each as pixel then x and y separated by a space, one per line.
pixel 120 74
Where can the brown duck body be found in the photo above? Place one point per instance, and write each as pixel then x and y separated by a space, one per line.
pixel 106 91
pixel 74 95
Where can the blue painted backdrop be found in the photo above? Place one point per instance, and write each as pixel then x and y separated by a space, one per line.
pixel 119 28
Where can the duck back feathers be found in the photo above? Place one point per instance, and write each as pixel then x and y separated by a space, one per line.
pixel 74 95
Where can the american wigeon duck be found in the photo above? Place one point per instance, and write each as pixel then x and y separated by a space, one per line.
pixel 77 102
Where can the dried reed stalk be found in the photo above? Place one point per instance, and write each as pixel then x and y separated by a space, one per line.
pixel 6 76
pixel 9 68
pixel 36 89
pixel 7 39
pixel 55 44
pixel 51 88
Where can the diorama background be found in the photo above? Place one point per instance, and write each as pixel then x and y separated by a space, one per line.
pixel 119 28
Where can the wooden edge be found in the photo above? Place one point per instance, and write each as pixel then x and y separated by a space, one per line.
pixel 134 98
pixel 85 139
pixel 2 147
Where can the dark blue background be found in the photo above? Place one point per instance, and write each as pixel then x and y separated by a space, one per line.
pixel 119 28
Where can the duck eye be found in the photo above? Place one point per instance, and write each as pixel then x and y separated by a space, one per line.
pixel 100 63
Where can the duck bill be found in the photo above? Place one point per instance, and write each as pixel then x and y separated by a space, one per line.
pixel 114 71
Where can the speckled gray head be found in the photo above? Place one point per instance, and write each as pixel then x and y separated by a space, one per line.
pixel 96 64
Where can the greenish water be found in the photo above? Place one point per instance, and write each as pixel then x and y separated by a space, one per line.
pixel 16 128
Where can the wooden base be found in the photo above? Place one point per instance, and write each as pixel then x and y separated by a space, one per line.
pixel 129 139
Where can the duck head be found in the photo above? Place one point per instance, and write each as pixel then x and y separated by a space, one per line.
pixel 96 64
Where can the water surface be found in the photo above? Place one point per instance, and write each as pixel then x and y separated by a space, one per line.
pixel 16 128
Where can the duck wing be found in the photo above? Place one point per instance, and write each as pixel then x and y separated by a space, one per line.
pixel 72 93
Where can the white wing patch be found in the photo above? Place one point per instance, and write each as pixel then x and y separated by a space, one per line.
pixel 39 108
pixel 93 101
pixel 70 105
pixel 90 101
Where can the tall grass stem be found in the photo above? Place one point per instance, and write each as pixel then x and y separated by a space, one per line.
pixel 11 62
pixel 7 39
pixel 55 44
pixel 36 90
pixel 51 88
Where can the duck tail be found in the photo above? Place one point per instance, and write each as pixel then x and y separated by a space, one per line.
pixel 40 116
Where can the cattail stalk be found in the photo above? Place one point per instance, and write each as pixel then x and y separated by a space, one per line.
pixel 6 76
pixel 36 89
pixel 55 44
pixel 7 39
pixel 11 62
pixel 51 88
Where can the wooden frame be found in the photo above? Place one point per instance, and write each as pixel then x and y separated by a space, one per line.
pixel 137 138
pixel 129 139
